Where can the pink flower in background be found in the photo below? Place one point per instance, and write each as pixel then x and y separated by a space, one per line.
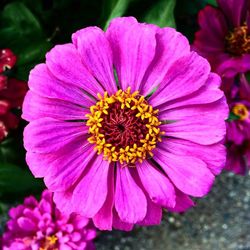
pixel 238 125
pixel 124 123
pixel 224 36
pixel 12 92
pixel 39 225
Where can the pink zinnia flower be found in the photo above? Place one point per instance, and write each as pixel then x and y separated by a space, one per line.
pixel 124 123
pixel 39 225
pixel 238 125
pixel 224 37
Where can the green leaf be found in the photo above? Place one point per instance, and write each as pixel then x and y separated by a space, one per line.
pixel 15 180
pixel 21 31
pixel 212 2
pixel 233 117
pixel 18 24
pixel 115 8
pixel 162 13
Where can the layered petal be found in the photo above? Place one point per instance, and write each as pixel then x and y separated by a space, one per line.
pixel 197 123
pixel 133 50
pixel 153 216
pixel 104 218
pixel 189 174
pixel 159 188
pixel 87 202
pixel 36 107
pixel 39 134
pixel 213 155
pixel 96 54
pixel 170 47
pixel 235 11
pixel 213 29
pixel 208 93
pixel 42 82
pixel 183 203
pixel 130 201
pixel 183 81
pixel 60 61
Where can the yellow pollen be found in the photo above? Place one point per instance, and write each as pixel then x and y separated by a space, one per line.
pixel 49 243
pixel 129 104
pixel 238 41
pixel 241 111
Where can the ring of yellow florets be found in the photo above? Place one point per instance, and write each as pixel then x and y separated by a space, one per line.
pixel 238 41
pixel 129 104
pixel 241 111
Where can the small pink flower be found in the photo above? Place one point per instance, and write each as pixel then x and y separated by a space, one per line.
pixel 125 123
pixel 224 37
pixel 238 125
pixel 39 225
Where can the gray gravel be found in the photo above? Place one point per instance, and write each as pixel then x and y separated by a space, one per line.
pixel 219 221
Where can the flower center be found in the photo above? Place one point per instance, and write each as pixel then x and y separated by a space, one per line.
pixel 238 41
pixel 124 127
pixel 241 111
pixel 49 243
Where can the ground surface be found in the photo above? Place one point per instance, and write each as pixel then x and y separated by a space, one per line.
pixel 221 221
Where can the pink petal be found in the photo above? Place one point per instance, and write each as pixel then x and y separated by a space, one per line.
pixel 183 203
pixel 159 188
pixel 26 224
pixel 170 46
pixel 231 66
pixel 208 93
pixel 104 218
pixel 214 28
pixel 91 192
pixel 96 54
pixel 42 82
pixel 153 216
pixel 48 135
pixel 65 170
pixel 133 46
pixel 235 10
pixel 213 155
pixel 66 64
pixel 202 124
pixel 130 201
pixel 121 225
pixel 182 81
pixel 36 106
pixel 189 174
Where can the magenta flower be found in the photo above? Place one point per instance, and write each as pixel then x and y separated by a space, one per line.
pixel 238 126
pixel 124 123
pixel 40 226
pixel 238 157
pixel 224 37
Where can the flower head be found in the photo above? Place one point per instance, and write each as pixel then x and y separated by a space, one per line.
pixel 124 123
pixel 224 36
pixel 12 92
pixel 238 125
pixel 40 226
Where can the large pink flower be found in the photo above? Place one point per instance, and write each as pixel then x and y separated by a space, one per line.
pixel 224 36
pixel 39 225
pixel 124 123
